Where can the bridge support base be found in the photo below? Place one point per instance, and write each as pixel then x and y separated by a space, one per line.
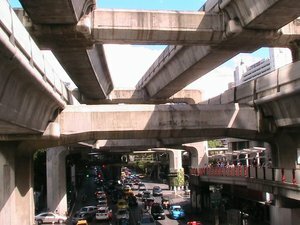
pixel 56 180
pixel 16 186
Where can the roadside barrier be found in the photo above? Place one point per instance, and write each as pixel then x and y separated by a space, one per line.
pixel 288 176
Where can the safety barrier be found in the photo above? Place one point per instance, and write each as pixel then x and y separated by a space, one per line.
pixel 288 176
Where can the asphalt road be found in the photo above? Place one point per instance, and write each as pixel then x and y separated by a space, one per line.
pixel 89 188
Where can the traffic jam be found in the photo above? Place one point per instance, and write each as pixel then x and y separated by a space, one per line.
pixel 133 199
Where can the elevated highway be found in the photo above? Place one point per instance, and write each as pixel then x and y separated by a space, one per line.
pixel 179 66
pixel 31 92
pixel 85 62
pixel 255 111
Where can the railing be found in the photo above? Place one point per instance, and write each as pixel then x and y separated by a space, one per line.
pixel 18 36
pixel 288 176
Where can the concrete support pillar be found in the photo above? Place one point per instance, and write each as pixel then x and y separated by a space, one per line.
pixel 280 215
pixel 175 157
pixel 56 180
pixel 258 158
pixel 198 154
pixel 284 150
pixel 247 159
pixel 16 186
pixel 295 50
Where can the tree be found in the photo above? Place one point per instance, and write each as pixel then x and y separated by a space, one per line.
pixel 215 143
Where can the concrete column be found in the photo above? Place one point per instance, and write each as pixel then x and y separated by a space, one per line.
pixel 198 154
pixel 284 150
pixel 56 180
pixel 295 50
pixel 247 159
pixel 175 157
pixel 16 186
pixel 257 158
pixel 280 215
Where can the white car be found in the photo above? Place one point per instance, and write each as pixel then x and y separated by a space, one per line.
pixel 122 214
pixel 104 213
pixel 50 217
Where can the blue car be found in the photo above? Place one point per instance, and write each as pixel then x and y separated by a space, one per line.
pixel 176 212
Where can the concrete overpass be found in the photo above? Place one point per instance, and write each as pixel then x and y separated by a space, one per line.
pixel 178 66
pixel 183 121
pixel 76 53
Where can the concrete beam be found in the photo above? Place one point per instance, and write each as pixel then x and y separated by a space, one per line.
pixel 275 94
pixel 25 83
pixel 77 54
pixel 152 27
pixel 161 121
pixel 192 62
pixel 260 15
pixel 140 97
pixel 140 144
pixel 57 12
pixel 96 83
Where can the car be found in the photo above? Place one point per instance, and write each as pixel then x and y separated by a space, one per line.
pixel 82 222
pixel 122 204
pixel 100 194
pixel 141 186
pixel 104 213
pixel 157 211
pixel 194 223
pixel 80 216
pixel 156 191
pixel 122 214
pixel 146 194
pixel 50 217
pixel 147 219
pixel 89 210
pixel 102 201
pixel 176 212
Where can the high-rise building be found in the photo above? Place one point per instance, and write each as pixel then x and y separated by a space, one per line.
pixel 245 150
pixel 278 57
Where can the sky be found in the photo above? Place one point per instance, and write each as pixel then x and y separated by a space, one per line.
pixel 128 63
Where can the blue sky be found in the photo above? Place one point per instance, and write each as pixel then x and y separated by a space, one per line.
pixel 122 60
pixel 143 4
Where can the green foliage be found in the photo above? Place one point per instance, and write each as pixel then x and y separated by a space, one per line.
pixel 214 143
pixel 180 178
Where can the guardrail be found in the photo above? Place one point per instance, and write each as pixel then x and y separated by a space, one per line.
pixel 18 36
pixel 281 175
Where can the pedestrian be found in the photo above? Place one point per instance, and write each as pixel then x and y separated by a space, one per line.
pixel 254 162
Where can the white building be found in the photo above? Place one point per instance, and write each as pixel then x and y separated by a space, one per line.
pixel 245 150
pixel 278 58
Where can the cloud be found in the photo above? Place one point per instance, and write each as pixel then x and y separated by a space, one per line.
pixel 128 63
pixel 214 82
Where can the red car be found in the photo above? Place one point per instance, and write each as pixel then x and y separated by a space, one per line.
pixel 194 223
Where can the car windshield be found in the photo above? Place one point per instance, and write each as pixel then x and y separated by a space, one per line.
pixel 157 209
pixel 101 211
pixel 177 209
